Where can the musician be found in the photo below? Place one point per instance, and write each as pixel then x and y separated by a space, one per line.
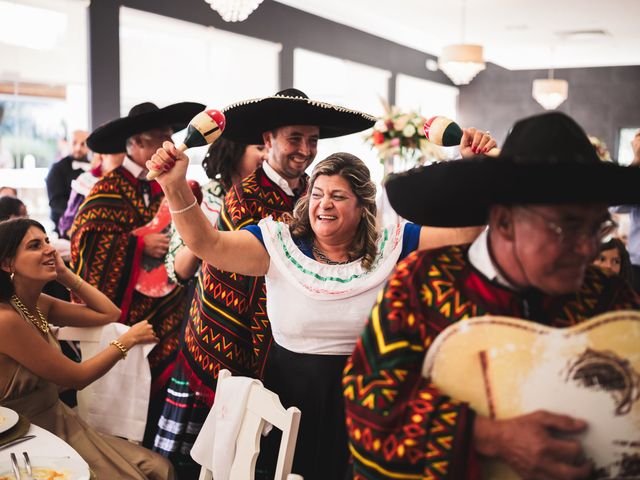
pixel 105 250
pixel 546 209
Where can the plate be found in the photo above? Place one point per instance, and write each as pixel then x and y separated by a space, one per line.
pixel 8 418
pixel 60 468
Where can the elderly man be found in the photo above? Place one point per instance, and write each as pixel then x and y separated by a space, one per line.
pixel 545 201
pixel 105 249
pixel 228 325
pixel 63 172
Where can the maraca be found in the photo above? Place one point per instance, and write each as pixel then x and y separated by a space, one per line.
pixel 445 132
pixel 204 128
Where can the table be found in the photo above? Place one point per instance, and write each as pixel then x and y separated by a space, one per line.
pixel 46 444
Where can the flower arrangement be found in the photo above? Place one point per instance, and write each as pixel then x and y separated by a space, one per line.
pixel 401 134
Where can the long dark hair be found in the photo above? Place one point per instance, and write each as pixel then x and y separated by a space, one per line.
pixel 222 160
pixel 11 234
pixel 625 261
pixel 10 206
pixel 353 170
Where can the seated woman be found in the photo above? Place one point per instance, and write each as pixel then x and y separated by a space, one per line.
pixel 31 364
pixel 323 272
pixel 613 256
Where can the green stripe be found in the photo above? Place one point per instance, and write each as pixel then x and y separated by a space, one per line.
pixel 315 275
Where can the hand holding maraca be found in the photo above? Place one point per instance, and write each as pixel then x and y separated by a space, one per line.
pixel 204 128
pixel 445 132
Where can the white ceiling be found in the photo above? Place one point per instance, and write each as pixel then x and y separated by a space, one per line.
pixel 516 34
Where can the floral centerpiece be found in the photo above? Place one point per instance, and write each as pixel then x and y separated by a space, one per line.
pixel 399 138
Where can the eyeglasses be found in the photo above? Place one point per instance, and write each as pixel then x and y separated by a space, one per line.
pixel 570 234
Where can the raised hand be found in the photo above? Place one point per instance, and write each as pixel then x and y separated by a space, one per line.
pixel 475 142
pixel 172 162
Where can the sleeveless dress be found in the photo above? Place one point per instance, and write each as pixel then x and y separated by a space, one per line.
pixel 108 457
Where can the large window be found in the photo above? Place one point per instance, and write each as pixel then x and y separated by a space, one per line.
pixel 625 152
pixel 43 91
pixel 164 61
pixel 345 83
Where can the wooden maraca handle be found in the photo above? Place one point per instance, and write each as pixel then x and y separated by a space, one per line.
pixel 445 132
pixel 204 129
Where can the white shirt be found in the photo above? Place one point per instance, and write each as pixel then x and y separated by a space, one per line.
pixel 133 168
pixel 277 179
pixel 481 260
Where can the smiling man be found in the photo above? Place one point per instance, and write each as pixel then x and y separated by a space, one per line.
pixel 228 326
pixel 545 201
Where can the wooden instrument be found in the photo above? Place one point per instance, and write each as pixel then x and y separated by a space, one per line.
pixel 506 367
pixel 446 133
pixel 204 129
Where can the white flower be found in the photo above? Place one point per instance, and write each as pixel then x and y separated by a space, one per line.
pixel 380 126
pixel 409 130
pixel 401 122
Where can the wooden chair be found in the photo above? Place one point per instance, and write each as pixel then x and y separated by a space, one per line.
pixel 262 406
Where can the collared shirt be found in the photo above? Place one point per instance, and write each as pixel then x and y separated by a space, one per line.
pixel 141 174
pixel 134 169
pixel 481 259
pixel 277 179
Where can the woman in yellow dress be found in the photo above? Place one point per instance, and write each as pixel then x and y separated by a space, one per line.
pixel 32 367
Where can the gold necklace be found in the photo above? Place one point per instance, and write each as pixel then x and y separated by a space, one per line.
pixel 40 323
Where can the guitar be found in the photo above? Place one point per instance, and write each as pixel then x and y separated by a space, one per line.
pixel 506 367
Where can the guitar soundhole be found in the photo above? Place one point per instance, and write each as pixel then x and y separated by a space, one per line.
pixel 607 372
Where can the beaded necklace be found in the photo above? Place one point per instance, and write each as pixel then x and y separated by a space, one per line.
pixel 324 259
pixel 40 323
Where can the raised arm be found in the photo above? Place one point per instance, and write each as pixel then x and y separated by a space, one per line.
pixel 238 251
pixel 21 342
pixel 435 237
pixel 96 310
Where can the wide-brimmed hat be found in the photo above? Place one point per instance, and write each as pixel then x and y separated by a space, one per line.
pixel 546 159
pixel 249 119
pixel 112 137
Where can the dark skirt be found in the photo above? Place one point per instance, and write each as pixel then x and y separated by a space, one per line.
pixel 313 383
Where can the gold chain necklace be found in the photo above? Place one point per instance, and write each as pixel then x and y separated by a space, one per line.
pixel 40 323
pixel 324 259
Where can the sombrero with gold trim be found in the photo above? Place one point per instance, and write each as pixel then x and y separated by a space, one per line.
pixel 249 119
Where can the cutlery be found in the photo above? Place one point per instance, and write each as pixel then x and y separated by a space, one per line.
pixel 15 467
pixel 17 441
pixel 27 464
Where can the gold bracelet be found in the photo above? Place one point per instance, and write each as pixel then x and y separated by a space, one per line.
pixel 182 210
pixel 76 285
pixel 124 350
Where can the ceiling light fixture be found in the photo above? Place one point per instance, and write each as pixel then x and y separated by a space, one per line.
pixel 462 62
pixel 550 92
pixel 234 10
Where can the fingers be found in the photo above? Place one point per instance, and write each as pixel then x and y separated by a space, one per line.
pixel 564 471
pixel 478 141
pixel 561 423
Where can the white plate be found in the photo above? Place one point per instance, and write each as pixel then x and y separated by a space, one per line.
pixel 43 467
pixel 8 418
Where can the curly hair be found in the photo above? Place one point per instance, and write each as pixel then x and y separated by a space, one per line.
pixel 11 234
pixel 365 242
pixel 222 160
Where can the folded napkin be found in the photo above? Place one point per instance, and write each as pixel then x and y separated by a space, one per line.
pixel 18 430
pixel 118 401
pixel 215 447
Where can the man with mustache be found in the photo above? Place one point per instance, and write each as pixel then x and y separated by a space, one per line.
pixel 545 201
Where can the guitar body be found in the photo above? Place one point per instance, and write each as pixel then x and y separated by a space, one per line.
pixel 506 367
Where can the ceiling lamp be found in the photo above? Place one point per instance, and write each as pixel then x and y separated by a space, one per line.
pixel 234 10
pixel 550 92
pixel 462 62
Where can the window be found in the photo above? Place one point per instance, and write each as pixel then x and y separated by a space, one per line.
pixel 625 136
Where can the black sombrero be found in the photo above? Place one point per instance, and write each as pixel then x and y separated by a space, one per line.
pixel 249 119
pixel 546 159
pixel 112 137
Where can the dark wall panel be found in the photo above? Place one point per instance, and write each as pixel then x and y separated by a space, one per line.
pixel 601 99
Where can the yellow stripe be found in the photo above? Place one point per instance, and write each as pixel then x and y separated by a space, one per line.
pixel 382 345
pixel 384 471
pixel 221 312
pixel 106 195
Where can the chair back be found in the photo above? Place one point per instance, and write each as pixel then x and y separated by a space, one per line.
pixel 263 406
